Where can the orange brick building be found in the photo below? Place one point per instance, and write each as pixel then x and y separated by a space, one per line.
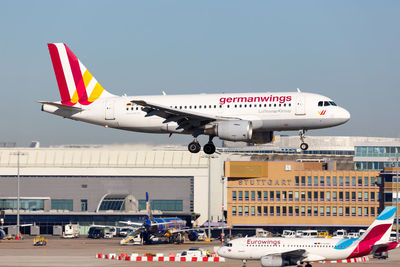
pixel 299 194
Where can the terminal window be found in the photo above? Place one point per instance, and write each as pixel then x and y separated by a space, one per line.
pixel 233 210
pixel 163 205
pixel 62 204
pixel 233 195
pixel 25 204
pixel 84 204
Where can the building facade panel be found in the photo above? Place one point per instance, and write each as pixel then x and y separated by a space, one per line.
pixel 302 194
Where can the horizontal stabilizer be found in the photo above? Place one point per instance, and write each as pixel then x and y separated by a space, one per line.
pixel 59 105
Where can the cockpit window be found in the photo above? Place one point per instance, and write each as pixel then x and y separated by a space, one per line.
pixel 326 103
pixel 228 245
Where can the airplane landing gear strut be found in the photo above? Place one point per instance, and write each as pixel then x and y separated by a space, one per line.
pixel 244 263
pixel 303 145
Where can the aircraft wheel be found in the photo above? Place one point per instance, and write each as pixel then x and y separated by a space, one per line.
pixel 209 148
pixel 304 146
pixel 308 265
pixel 194 147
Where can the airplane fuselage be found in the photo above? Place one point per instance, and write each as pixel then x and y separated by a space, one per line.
pixel 267 111
pixel 316 249
pixel 165 226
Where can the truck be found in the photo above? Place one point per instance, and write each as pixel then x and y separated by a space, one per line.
pixel 71 231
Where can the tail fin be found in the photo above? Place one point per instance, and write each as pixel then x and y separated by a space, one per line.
pixel 148 206
pixel 75 82
pixel 377 233
pixel 380 229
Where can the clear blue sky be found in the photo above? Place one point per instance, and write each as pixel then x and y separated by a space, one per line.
pixel 347 50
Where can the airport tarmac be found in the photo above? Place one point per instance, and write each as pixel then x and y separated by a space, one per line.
pixel 82 252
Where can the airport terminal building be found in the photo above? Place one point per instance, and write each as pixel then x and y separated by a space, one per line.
pixel 300 195
pixel 103 184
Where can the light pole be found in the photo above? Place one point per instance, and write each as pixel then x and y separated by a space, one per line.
pixel 18 154
pixel 209 192
pixel 222 209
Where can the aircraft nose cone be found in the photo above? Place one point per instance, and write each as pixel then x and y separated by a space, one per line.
pixel 221 252
pixel 345 115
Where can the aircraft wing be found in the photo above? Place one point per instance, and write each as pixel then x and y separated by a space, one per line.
pixel 186 119
pixel 298 253
pixel 293 254
pixel 193 229
pixel 131 223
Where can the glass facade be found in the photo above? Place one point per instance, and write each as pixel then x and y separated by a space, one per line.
pixel 62 204
pixel 113 204
pixel 375 157
pixel 164 205
pixel 25 204
pixel 377 151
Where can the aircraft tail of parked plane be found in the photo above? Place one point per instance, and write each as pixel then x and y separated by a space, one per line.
pixel 75 83
pixel 377 236
pixel 238 117
pixel 276 251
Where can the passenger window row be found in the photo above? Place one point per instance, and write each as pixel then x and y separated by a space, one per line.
pixel 233 106
pixel 220 106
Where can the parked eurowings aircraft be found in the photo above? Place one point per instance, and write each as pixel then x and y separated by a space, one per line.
pixel 248 117
pixel 279 251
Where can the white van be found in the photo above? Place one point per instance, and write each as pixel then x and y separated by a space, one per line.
pixel 288 234
pixel 341 233
pixel 309 234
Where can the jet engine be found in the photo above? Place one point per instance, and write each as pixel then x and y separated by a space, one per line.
pixel 272 261
pixel 193 236
pixel 239 130
pixel 278 261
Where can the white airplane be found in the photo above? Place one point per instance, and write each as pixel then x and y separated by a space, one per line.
pixel 248 117
pixel 281 251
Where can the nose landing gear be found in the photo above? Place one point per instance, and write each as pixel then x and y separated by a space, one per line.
pixel 303 145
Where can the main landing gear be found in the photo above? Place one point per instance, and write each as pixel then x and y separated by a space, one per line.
pixel 303 145
pixel 194 147
pixel 209 148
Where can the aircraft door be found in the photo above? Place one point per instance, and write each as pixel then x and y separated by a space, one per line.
pixel 109 110
pixel 300 105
